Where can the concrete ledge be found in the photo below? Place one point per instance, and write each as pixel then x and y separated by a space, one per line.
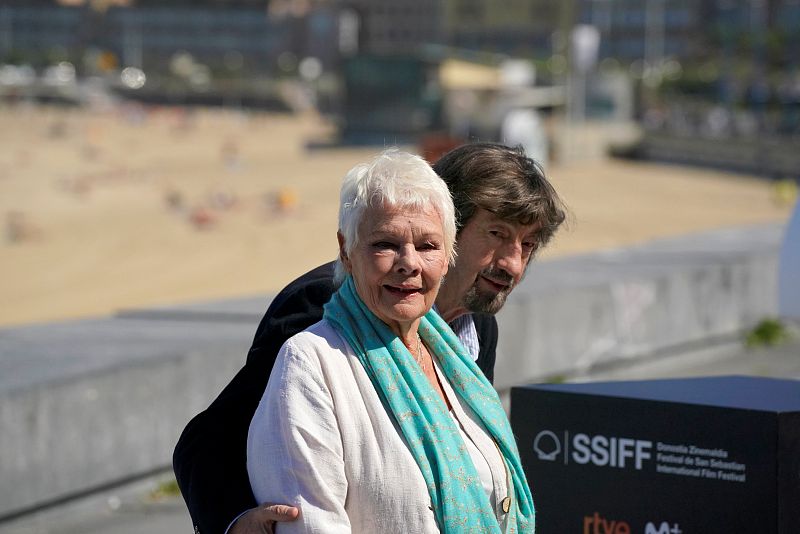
pixel 772 157
pixel 85 404
pixel 575 313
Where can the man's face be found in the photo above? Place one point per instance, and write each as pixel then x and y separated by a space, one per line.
pixel 493 254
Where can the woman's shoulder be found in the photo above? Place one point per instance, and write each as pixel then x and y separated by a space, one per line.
pixel 321 333
pixel 317 342
pixel 316 359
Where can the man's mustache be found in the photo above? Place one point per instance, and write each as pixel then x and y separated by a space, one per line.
pixel 499 275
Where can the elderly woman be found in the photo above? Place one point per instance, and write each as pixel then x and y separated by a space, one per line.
pixel 376 419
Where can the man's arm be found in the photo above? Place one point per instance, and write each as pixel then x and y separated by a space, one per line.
pixel 210 457
pixel 205 460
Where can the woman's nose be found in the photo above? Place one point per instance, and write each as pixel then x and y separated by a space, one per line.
pixel 408 261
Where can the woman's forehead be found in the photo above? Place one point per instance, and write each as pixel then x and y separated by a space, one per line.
pixel 401 219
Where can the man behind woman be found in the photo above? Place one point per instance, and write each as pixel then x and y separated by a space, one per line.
pixel 506 211
pixel 376 418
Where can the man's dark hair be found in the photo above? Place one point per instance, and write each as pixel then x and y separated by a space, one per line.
pixel 504 181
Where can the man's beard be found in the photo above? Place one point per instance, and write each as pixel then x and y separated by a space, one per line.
pixel 480 301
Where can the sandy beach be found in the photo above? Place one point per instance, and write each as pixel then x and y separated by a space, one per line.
pixel 130 207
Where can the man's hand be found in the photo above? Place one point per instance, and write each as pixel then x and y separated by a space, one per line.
pixel 262 520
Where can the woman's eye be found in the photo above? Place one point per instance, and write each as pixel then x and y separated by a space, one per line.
pixel 383 244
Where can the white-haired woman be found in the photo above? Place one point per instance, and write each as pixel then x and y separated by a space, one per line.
pixel 376 419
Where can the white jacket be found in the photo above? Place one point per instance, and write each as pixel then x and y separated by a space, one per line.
pixel 322 440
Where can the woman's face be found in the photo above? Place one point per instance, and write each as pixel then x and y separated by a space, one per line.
pixel 398 263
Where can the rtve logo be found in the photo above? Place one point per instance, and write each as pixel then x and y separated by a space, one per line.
pixel 598 450
pixel 596 524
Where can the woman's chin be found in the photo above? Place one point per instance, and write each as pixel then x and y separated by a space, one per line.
pixel 402 313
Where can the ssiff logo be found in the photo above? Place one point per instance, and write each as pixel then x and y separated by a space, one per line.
pixel 598 450
pixel 546 445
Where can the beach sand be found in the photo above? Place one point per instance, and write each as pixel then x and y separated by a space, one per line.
pixel 129 207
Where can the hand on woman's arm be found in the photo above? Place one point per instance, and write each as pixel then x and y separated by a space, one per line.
pixel 261 520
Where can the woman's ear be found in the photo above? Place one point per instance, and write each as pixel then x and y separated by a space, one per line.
pixel 342 254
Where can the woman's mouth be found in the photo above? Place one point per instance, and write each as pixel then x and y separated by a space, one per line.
pixel 402 290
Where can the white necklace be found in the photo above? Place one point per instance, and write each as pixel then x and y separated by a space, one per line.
pixel 418 356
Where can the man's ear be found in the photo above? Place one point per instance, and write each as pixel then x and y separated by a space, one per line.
pixel 342 254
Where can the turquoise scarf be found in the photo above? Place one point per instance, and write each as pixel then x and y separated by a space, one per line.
pixel 458 498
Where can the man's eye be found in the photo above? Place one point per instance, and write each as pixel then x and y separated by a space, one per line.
pixel 383 244
pixel 428 246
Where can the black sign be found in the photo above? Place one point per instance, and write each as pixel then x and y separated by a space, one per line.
pixel 690 456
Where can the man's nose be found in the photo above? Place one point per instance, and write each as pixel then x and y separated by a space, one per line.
pixel 511 261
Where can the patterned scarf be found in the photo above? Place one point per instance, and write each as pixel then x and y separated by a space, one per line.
pixel 459 501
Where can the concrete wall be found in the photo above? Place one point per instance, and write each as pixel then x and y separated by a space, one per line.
pixel 573 314
pixel 106 408
pixel 764 156
pixel 89 403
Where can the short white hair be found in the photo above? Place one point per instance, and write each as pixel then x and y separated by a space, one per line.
pixel 394 179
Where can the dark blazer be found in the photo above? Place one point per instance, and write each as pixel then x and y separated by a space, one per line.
pixel 210 459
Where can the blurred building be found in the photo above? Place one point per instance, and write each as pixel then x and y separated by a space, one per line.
pixel 149 32
pixel 221 34
pixel 517 27
pixel 394 26
pixel 260 30
pixel 630 30
pixel 636 29
pixel 535 28
pixel 738 52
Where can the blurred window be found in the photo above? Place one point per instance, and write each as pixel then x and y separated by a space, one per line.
pixel 677 18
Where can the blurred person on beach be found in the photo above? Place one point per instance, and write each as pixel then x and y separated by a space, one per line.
pixel 506 211
pixel 386 421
